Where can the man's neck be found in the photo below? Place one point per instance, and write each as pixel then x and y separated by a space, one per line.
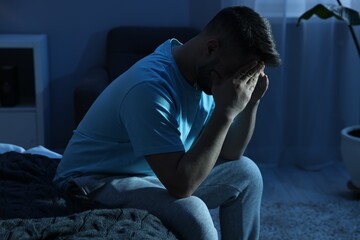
pixel 184 58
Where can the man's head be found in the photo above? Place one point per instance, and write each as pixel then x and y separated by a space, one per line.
pixel 233 38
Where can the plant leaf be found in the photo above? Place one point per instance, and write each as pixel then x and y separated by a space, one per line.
pixel 324 11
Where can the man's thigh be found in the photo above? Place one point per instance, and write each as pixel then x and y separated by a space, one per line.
pixel 227 180
pixel 114 191
pixel 187 217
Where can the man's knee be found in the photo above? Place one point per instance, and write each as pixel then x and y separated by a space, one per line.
pixel 245 172
pixel 252 172
pixel 196 218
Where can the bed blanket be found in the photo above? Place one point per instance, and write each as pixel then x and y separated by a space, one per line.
pixel 98 224
pixel 31 207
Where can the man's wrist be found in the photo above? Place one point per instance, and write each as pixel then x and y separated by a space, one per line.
pixel 223 116
pixel 253 103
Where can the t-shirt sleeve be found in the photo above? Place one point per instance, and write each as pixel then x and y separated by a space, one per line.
pixel 149 115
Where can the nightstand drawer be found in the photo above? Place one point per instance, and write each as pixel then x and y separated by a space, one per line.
pixel 18 128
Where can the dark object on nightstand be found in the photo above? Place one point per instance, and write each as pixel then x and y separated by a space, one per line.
pixel 9 92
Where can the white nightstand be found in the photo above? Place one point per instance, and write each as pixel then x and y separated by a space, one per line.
pixel 26 123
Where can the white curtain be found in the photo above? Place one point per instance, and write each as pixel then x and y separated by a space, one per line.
pixel 314 93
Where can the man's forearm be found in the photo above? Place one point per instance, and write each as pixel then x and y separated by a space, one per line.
pixel 240 133
pixel 196 164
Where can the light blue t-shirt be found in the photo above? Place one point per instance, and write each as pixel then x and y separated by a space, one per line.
pixel 149 109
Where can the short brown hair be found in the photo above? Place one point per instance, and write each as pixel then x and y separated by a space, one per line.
pixel 243 27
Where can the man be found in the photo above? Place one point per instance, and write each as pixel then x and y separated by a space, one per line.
pixel 168 135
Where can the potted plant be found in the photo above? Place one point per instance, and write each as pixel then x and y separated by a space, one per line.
pixel 350 136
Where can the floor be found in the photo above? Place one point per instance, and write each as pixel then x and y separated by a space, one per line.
pixel 293 184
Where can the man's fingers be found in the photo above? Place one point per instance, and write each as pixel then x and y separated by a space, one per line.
pixel 259 68
pixel 263 81
pixel 244 69
pixel 247 72
pixel 254 75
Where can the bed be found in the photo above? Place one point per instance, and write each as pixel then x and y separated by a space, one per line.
pixel 31 207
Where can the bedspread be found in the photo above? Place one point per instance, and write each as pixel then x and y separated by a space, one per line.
pixel 31 207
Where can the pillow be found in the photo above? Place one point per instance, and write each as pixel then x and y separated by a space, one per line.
pixel 39 150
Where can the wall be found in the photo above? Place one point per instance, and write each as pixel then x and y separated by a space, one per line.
pixel 201 11
pixel 76 36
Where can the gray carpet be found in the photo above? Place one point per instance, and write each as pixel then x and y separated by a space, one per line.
pixel 328 221
pixel 309 221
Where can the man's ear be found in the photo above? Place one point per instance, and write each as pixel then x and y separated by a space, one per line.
pixel 212 47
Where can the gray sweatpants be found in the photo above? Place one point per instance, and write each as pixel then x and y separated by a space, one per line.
pixel 233 186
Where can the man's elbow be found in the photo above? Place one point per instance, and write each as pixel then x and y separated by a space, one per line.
pixel 181 192
pixel 232 156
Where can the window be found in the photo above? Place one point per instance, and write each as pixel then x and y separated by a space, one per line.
pixel 288 8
